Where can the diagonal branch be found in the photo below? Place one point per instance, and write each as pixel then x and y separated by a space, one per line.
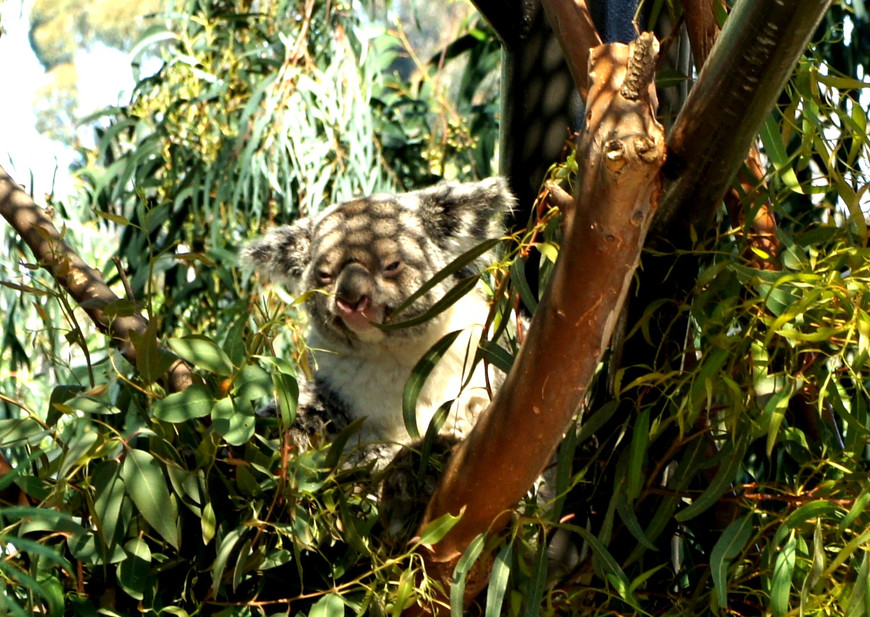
pixel 83 283
pixel 736 89
pixel 515 438
pixel 576 33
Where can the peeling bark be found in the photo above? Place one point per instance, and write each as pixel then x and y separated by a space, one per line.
pixel 515 439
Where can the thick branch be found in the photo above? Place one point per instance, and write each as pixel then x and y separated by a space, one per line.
pixel 736 89
pixel 703 30
pixel 702 26
pixel 83 283
pixel 576 33
pixel 515 439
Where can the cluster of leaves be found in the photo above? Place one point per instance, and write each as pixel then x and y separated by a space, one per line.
pixel 730 474
pixel 191 502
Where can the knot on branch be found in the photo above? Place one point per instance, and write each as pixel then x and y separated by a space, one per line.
pixel 644 51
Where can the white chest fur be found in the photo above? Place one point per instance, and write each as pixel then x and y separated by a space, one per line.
pixel 371 378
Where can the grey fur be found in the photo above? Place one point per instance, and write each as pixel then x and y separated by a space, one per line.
pixel 364 258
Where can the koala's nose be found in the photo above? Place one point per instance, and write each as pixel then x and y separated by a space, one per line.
pixel 353 289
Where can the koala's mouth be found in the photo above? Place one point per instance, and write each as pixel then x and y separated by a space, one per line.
pixel 361 316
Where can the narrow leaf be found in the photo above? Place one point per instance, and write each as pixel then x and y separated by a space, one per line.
pixel 783 569
pixel 450 269
pixel 437 529
pixel 498 581
pixel 538 579
pixel 639 441
pixel 727 547
pixel 731 461
pixel 460 574
pixel 417 380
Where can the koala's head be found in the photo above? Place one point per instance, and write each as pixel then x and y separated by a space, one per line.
pixel 363 258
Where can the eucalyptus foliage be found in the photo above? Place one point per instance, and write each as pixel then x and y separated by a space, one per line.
pixel 729 475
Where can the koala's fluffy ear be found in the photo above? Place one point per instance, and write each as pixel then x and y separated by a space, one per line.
pixel 282 254
pixel 459 216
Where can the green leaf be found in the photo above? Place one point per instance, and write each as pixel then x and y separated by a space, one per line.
pixel 330 605
pixel 337 446
pixel 612 570
pixel 775 150
pixel 133 571
pixel 727 547
pixel 16 432
pixel 437 529
pixel 629 517
pixel 93 406
pixel 78 451
pixel 52 591
pixel 783 569
pixel 252 384
pixel 109 501
pixel 59 396
pixel 235 423
pixel 518 278
pixel 808 511
pixel 202 353
pixel 147 487
pixel 208 523
pixel 858 508
pixel 195 401
pixel 731 458
pixel 496 355
pixel 450 269
pixel 498 581
pixel 226 544
pixel 538 579
pixel 417 380
pixel 639 441
pixel 460 574
pixel 287 396
pixel 152 362
pixel 450 298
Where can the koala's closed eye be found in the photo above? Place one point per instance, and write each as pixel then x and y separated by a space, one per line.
pixel 393 268
pixel 325 277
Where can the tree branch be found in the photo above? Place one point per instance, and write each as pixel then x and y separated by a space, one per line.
pixel 703 30
pixel 515 438
pixel 736 89
pixel 83 283
pixel 576 33
pixel 702 26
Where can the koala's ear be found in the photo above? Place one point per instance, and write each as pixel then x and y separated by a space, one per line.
pixel 282 254
pixel 460 215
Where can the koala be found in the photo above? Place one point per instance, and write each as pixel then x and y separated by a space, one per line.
pixel 358 261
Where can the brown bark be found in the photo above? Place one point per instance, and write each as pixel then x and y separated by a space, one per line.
pixel 83 283
pixel 702 26
pixel 573 27
pixel 703 30
pixel 515 439
pixel 747 68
